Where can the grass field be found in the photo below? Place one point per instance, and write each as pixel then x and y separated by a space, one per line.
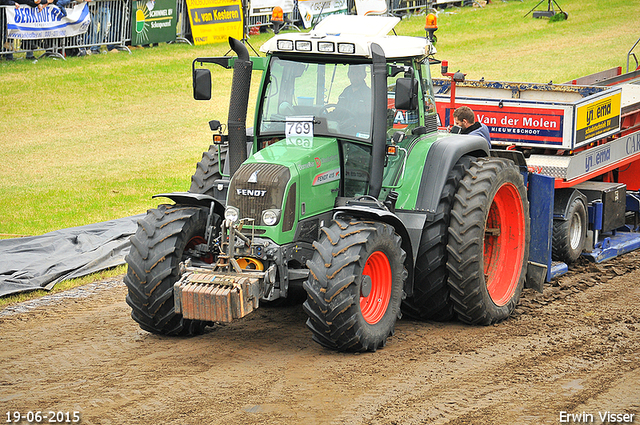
pixel 91 139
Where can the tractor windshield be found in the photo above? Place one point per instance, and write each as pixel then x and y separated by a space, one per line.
pixel 336 95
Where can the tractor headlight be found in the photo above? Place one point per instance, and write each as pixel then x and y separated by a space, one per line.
pixel 232 214
pixel 270 217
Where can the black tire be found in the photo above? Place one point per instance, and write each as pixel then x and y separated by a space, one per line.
pixel 157 248
pixel 430 300
pixel 569 236
pixel 355 263
pixel 488 241
pixel 207 171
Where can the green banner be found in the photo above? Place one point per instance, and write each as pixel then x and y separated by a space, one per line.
pixel 153 22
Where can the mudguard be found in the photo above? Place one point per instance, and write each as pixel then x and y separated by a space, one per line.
pixel 197 199
pixel 388 217
pixel 441 158
pixel 563 198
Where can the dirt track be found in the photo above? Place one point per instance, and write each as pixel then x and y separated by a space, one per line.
pixel 576 349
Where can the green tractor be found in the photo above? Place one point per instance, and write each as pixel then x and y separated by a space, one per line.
pixel 344 188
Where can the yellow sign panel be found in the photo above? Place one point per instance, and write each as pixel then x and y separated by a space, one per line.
pixel 598 117
pixel 214 21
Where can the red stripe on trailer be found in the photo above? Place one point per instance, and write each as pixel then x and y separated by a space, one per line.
pixel 501 137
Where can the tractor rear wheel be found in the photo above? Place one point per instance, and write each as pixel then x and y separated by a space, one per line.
pixel 207 171
pixel 355 285
pixel 164 238
pixel 430 300
pixel 488 241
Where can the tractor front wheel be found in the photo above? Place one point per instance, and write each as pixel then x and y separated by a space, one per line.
pixel 488 241
pixel 355 285
pixel 165 237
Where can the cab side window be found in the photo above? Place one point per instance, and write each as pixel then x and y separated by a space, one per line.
pixel 399 119
pixel 430 113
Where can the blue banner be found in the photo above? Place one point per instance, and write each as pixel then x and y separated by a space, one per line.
pixel 30 23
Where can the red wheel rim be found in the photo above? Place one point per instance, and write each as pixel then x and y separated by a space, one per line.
pixel 374 306
pixel 198 240
pixel 504 240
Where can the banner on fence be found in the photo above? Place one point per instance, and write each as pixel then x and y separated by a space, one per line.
pixel 371 7
pixel 313 11
pixel 265 7
pixel 153 21
pixel 214 21
pixel 30 23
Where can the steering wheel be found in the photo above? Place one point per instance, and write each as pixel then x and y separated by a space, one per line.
pixel 340 115
pixel 285 108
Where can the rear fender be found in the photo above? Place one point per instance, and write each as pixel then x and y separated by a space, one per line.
pixel 441 158
pixel 384 216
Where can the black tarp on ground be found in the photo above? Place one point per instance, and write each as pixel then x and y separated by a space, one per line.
pixel 39 262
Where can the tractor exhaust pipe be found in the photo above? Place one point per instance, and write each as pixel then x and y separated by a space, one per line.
pixel 379 140
pixel 238 106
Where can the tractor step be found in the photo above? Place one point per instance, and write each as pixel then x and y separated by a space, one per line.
pixel 215 297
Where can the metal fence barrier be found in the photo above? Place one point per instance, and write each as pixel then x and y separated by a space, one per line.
pixel 110 27
pixel 403 7
pixel 183 27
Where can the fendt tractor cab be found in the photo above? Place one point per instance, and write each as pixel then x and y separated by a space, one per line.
pixel 343 187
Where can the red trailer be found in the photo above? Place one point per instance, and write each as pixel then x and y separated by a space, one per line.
pixel 584 134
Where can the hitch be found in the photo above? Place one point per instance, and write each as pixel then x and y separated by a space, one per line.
pixel 226 291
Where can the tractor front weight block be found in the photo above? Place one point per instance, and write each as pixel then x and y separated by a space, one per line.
pixel 216 297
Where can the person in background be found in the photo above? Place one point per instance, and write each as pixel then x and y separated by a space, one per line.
pixel 6 48
pixel 62 4
pixel 31 45
pixel 465 118
pixel 115 27
pixel 99 28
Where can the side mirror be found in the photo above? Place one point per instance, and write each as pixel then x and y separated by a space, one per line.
pixel 214 125
pixel 406 94
pixel 201 84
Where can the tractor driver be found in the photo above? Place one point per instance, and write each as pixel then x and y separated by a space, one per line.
pixel 354 103
pixel 356 97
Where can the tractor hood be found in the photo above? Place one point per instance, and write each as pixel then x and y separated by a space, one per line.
pixel 301 153
pixel 296 179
